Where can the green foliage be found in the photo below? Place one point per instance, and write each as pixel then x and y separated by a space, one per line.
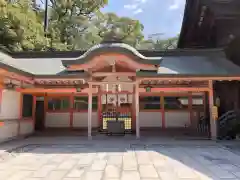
pixel 73 25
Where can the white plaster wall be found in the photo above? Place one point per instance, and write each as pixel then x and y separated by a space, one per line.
pixel 177 119
pixel 26 127
pixel 57 119
pixel 8 130
pixel 80 119
pixel 150 119
pixel 10 104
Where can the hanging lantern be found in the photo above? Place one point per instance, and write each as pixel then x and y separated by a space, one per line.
pixel 119 88
pixel 148 88
pixel 107 87
pixel 113 88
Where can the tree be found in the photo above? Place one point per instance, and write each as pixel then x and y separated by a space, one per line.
pixel 73 25
pixel 170 43
pixel 70 21
pixel 20 27
pixel 122 29
pixel 157 43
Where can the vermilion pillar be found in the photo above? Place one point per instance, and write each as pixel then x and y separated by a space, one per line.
pixel 137 110
pixel 34 109
pixel 71 110
pixel 162 104
pixel 213 122
pixel 90 112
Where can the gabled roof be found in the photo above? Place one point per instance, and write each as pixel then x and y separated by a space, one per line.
pixel 118 48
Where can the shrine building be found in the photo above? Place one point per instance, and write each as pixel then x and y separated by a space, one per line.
pixel 148 91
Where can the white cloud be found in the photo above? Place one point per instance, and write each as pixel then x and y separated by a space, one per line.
pixel 138 11
pixel 135 5
pixel 140 1
pixel 130 6
pixel 176 4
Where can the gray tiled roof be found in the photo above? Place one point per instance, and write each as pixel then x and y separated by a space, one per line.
pixel 35 66
pixel 178 62
pixel 196 66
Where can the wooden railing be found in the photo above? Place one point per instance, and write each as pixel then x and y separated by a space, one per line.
pixel 203 125
pixel 227 124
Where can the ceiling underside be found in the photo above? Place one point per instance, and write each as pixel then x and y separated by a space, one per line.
pixel 210 23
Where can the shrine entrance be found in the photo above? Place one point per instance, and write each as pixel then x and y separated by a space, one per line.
pixel 116 109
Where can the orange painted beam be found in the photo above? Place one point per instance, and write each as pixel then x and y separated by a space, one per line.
pixel 101 74
pixel 19 77
pixel 192 89
pixel 191 78
pixel 39 90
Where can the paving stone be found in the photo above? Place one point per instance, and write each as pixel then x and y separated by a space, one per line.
pixel 93 175
pixel 143 158
pixel 185 173
pixel 167 176
pixel 20 175
pixel 130 165
pixel 67 164
pixel 104 161
pixel 148 171
pixel 112 171
pixel 98 165
pixel 127 175
pixel 220 172
pixel 4 174
pixel 115 160
pixel 56 175
pixel 44 171
pixel 86 160
pixel 75 173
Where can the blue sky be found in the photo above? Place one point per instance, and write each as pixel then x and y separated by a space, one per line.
pixel 157 16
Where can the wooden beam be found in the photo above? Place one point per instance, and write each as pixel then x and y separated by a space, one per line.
pixel 183 89
pixel 118 57
pixel 39 90
pixel 111 82
pixel 101 74
pixel 190 78
pixel 18 77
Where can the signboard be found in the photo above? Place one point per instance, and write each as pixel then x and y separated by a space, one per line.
pixel 215 112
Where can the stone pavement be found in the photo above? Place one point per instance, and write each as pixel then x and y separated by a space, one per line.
pixel 71 159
